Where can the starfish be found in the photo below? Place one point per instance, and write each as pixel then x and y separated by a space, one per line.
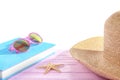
pixel 50 66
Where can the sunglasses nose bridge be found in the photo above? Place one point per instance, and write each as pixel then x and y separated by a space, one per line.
pixel 29 40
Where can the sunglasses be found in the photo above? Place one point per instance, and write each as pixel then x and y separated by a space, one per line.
pixel 23 44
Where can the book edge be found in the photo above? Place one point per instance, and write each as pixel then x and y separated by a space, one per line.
pixel 16 69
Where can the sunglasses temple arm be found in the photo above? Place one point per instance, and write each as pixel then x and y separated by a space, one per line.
pixel 11 48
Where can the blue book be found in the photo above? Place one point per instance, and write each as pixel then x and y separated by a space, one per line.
pixel 12 63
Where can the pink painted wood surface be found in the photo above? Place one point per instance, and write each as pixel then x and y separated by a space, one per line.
pixel 71 70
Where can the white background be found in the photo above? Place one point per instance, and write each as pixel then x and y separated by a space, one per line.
pixel 63 22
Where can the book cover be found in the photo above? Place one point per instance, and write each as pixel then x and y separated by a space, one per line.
pixel 11 63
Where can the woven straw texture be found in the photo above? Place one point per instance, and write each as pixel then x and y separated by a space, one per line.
pixel 100 55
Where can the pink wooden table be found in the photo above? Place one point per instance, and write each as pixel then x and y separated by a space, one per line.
pixel 72 70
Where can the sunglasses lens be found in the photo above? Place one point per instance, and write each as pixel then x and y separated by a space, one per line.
pixel 35 38
pixel 21 45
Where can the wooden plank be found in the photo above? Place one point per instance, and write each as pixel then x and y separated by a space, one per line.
pixel 72 70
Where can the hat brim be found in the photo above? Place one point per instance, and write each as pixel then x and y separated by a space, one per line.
pixel 90 53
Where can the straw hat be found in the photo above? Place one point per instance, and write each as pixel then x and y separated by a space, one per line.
pixel 102 55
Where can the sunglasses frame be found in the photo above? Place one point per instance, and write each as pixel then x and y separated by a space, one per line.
pixel 27 39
